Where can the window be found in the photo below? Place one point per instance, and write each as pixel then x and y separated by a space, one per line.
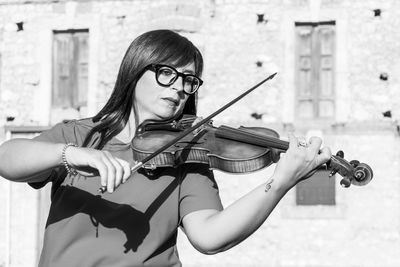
pixel 315 97
pixel 319 189
pixel 1 62
pixel 315 70
pixel 70 69
pixel 33 202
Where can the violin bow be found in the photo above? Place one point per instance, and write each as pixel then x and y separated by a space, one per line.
pixel 189 130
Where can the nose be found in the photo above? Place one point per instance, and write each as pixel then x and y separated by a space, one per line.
pixel 178 84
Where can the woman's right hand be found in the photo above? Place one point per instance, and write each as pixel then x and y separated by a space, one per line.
pixel 92 162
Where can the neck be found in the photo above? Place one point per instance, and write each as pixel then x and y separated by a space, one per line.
pixel 128 133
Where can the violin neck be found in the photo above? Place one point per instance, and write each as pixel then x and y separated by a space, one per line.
pixel 246 136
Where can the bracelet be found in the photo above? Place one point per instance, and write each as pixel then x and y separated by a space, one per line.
pixel 68 167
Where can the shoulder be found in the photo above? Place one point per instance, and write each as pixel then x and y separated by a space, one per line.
pixel 197 176
pixel 80 128
pixel 85 124
pixel 82 125
pixel 67 131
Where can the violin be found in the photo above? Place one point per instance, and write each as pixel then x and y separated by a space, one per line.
pixel 233 150
pixel 227 149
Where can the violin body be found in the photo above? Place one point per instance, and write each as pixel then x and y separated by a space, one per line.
pixel 204 147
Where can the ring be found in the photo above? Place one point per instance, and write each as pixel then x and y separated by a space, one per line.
pixel 302 143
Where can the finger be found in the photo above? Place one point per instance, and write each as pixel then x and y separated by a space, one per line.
pixel 119 171
pixel 126 169
pixel 315 144
pixel 324 155
pixel 102 169
pixel 197 120
pixel 292 141
pixel 110 173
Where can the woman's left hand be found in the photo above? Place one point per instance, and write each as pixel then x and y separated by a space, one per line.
pixel 299 160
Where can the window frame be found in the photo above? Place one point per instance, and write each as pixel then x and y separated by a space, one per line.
pixel 315 71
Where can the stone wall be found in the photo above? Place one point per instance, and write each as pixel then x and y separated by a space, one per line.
pixel 362 229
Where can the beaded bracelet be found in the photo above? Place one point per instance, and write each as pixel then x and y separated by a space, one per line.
pixel 68 167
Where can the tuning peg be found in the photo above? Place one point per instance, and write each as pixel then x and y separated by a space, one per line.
pixel 354 163
pixel 345 182
pixel 332 173
pixel 340 154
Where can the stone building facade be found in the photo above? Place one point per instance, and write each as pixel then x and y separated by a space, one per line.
pixel 242 42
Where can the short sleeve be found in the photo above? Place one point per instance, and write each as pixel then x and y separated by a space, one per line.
pixel 198 190
pixel 63 132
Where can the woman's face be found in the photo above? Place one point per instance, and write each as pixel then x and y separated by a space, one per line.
pixel 157 102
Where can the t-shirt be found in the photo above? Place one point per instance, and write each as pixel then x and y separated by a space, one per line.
pixel 136 225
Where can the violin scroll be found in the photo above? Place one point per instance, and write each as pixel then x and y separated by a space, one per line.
pixel 353 172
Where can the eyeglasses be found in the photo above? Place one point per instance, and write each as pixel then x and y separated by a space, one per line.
pixel 167 75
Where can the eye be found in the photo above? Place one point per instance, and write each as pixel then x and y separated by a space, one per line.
pixel 189 80
pixel 166 72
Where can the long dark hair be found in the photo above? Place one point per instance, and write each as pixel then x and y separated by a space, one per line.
pixel 159 46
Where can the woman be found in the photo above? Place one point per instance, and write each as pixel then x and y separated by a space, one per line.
pixel 137 224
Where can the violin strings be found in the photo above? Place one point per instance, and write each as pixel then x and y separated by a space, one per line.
pixel 251 138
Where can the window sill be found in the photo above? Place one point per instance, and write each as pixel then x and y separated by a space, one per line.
pixel 314 212
pixel 334 127
pixel 290 210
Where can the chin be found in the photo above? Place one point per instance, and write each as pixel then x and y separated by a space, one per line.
pixel 165 116
pixel 171 113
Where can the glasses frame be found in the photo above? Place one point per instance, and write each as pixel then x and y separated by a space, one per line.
pixel 157 67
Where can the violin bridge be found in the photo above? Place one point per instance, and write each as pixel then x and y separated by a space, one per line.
pixel 202 128
pixel 199 130
pixel 150 166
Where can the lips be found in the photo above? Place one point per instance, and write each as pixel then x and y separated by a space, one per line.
pixel 171 100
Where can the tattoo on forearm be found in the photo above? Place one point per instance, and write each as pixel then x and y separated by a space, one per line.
pixel 268 186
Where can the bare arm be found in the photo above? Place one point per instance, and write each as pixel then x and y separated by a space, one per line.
pixel 212 231
pixel 225 229
pixel 22 160
pixel 25 160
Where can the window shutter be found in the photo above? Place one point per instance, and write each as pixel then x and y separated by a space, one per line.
pixel 315 70
pixel 326 105
pixel 62 57
pixel 317 190
pixel 70 69
pixel 81 63
pixel 305 90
